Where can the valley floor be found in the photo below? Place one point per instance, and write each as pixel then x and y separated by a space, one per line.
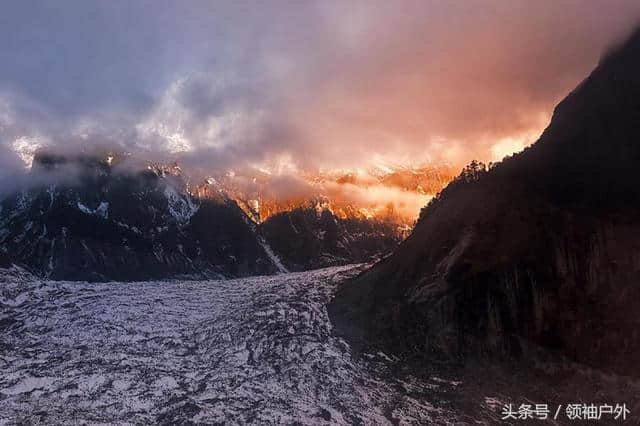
pixel 256 350
pixel 247 351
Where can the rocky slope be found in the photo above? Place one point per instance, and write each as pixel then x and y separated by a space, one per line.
pixel 5 262
pixel 541 251
pixel 309 238
pixel 103 216
pixel 97 218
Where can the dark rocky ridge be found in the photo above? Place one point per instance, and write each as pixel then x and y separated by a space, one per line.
pixel 541 251
pixel 99 216
pixel 111 222
pixel 309 238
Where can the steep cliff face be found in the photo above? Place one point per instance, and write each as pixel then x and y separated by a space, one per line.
pixel 308 238
pixel 115 223
pixel 543 250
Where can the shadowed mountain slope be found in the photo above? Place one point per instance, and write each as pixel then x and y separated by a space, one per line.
pixel 108 222
pixel 309 238
pixel 543 250
pixel 5 262
pixel 103 216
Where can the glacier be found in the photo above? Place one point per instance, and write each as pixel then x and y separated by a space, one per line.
pixel 252 350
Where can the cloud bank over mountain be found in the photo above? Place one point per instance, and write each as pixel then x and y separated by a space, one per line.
pixel 305 85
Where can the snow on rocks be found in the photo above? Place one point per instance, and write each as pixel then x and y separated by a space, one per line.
pixel 180 205
pixel 102 210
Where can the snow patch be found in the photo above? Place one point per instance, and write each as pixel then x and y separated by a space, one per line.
pixel 274 258
pixel 182 208
pixel 102 210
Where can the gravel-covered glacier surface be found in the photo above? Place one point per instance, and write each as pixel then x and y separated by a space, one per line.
pixel 256 350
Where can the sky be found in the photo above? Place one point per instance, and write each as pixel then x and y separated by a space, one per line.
pixel 294 85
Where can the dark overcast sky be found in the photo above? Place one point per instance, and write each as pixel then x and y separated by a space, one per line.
pixel 314 84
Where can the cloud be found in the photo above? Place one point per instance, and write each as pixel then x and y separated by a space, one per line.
pixel 379 198
pixel 327 84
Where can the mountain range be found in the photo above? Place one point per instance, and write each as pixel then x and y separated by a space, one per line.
pixel 385 192
pixel 103 216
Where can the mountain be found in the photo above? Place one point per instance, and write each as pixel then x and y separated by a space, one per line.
pixel 102 218
pixel 107 216
pixel 390 193
pixel 313 237
pixel 542 251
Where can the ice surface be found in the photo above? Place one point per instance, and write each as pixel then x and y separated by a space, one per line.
pixel 256 350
